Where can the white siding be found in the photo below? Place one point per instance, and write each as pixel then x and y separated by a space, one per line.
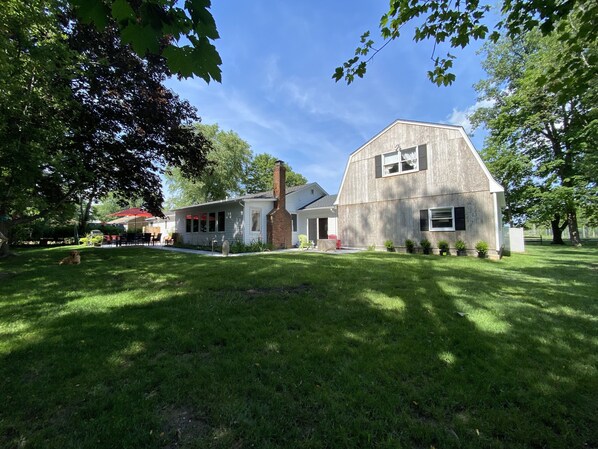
pixel 303 197
pixel 264 207
pixel 233 224
pixel 304 215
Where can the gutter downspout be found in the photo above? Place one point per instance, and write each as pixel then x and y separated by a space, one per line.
pixel 497 226
pixel 245 231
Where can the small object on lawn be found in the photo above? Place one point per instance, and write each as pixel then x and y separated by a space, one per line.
pixel 74 258
pixel 225 248
pixel 461 313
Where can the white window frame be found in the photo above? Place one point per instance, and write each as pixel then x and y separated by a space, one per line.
pixel 431 223
pixel 259 221
pixel 398 152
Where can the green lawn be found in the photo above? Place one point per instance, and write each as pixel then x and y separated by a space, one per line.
pixel 138 348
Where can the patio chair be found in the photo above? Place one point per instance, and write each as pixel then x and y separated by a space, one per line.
pixel 156 238
pixel 146 238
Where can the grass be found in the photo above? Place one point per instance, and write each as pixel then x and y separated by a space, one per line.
pixel 138 348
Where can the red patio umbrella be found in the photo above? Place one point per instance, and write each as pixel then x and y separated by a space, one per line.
pixel 132 212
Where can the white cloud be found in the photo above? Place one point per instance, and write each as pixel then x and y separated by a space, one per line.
pixel 315 97
pixel 462 117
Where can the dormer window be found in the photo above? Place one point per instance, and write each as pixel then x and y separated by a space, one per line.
pixel 400 161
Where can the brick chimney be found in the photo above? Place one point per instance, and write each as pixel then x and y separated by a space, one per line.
pixel 279 219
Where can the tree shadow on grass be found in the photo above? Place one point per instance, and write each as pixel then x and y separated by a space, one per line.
pixel 373 353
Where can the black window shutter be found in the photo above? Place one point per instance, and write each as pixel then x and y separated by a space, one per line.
pixel 378 160
pixel 423 220
pixel 459 219
pixel 422 152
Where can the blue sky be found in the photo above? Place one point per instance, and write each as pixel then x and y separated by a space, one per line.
pixel 278 94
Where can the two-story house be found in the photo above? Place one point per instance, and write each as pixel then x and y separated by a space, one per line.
pixel 419 180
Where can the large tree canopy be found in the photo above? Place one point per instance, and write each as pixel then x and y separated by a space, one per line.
pixel 232 170
pixel 455 24
pixel 259 176
pixel 82 115
pixel 224 177
pixel 542 136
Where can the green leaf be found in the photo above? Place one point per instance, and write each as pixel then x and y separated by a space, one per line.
pixel 179 60
pixel 92 12
pixel 141 38
pixel 204 23
pixel 122 11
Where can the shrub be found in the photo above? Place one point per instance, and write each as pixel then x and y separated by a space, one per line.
pixel 89 240
pixel 460 245
pixel 410 245
pixel 389 245
pixel 482 248
pixel 254 247
pixel 443 245
pixel 372 247
pixel 426 245
pixel 237 247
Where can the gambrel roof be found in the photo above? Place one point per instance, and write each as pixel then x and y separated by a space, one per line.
pixel 494 186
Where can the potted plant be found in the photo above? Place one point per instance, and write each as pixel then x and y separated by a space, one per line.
pixel 443 245
pixel 390 246
pixel 410 245
pixel 482 248
pixel 460 246
pixel 426 245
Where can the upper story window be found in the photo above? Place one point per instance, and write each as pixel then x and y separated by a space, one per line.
pixel 400 161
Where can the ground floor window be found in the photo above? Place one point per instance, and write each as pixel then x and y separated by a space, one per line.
pixel 188 223
pixel 256 220
pixel 294 222
pixel 442 219
pixel 212 222
pixel 221 221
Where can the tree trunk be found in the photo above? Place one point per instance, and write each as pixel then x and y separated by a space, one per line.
pixel 557 230
pixel 4 248
pixel 4 243
pixel 84 218
pixel 573 229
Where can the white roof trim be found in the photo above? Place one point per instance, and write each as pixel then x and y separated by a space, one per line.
pixel 241 199
pixel 493 185
pixel 333 206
